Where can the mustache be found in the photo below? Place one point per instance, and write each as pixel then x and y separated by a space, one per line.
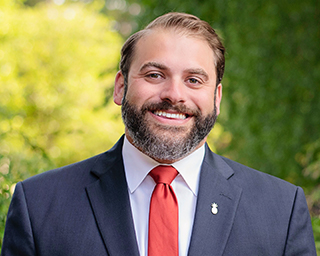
pixel 165 105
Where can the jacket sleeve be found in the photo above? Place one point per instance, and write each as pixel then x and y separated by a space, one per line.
pixel 18 238
pixel 300 240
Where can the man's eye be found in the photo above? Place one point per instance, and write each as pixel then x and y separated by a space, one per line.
pixel 193 80
pixel 154 75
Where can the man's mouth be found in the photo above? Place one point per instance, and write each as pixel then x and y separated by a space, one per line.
pixel 180 116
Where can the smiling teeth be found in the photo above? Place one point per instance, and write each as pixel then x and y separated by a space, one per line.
pixel 171 115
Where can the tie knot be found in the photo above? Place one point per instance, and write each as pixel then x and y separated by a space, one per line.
pixel 163 174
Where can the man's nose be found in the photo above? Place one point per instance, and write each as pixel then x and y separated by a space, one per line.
pixel 174 91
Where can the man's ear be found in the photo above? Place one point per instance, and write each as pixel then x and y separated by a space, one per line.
pixel 218 97
pixel 118 88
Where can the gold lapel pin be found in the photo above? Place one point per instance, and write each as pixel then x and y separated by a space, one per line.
pixel 214 208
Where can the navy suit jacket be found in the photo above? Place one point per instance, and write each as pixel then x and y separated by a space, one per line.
pixel 84 209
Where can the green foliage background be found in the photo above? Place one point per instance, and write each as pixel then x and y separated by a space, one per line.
pixel 57 66
pixel 57 63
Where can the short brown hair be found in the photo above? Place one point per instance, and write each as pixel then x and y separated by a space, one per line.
pixel 185 23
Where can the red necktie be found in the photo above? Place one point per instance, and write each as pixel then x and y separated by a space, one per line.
pixel 163 216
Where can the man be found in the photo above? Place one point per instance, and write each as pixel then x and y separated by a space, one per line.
pixel 170 90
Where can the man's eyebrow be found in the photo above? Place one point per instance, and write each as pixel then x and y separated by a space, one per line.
pixel 154 65
pixel 198 71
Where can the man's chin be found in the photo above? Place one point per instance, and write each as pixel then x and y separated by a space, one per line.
pixel 175 130
pixel 170 135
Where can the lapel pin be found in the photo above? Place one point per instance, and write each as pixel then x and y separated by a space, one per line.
pixel 214 208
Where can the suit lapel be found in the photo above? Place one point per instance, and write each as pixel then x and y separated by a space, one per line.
pixel 111 205
pixel 211 231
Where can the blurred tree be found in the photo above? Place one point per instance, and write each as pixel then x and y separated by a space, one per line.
pixel 57 66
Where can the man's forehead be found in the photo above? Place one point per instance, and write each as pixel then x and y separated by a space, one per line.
pixel 154 37
pixel 174 31
pixel 148 48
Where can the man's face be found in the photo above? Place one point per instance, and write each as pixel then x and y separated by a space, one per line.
pixel 171 101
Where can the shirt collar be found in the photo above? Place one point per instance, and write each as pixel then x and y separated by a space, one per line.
pixel 137 165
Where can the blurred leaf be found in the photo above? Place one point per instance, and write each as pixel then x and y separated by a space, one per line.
pixel 316 231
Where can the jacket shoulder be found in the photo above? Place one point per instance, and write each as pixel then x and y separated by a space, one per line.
pixel 83 172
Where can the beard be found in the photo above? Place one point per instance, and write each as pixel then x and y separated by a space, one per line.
pixel 162 142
